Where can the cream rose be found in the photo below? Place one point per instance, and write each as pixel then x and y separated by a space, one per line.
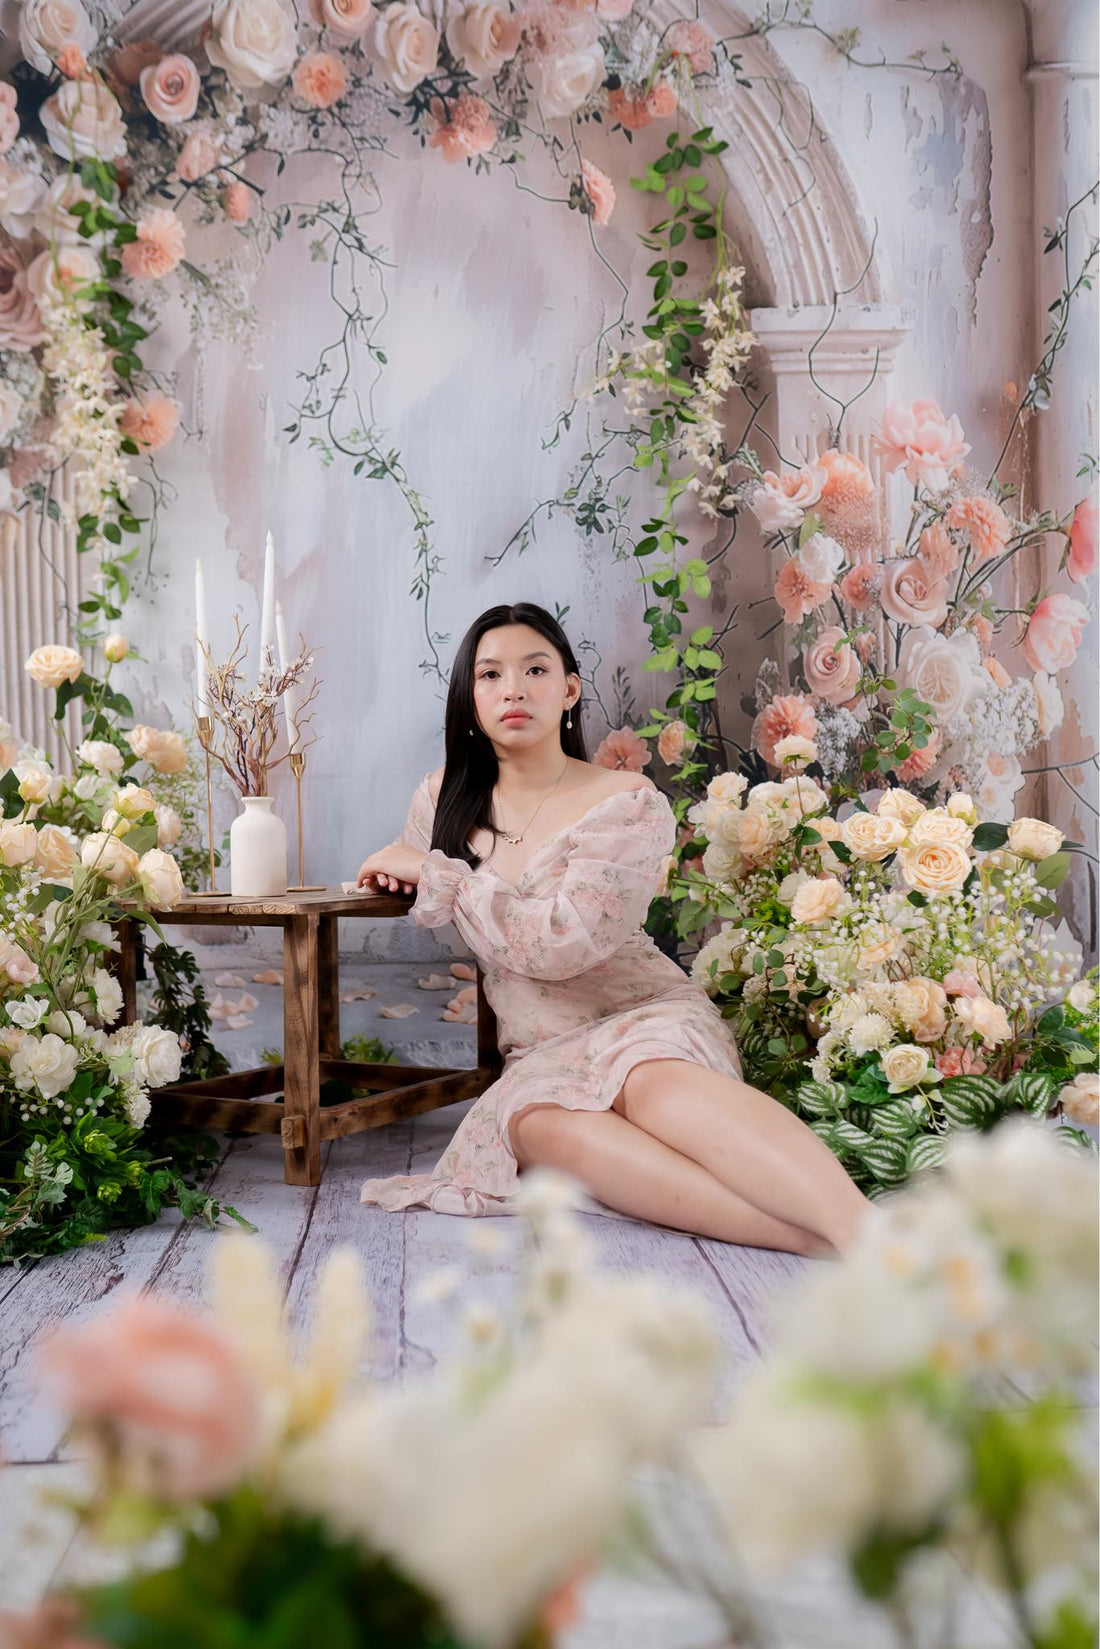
pixel 817 900
pixel 802 796
pixel 156 1056
pixel 254 41
pixel 831 667
pixel 115 648
pixel 347 18
pixel 98 753
pixel 55 273
pixel 961 806
pixel 54 218
pixel 50 666
pixel 879 944
pixel 900 805
pixel 871 837
pixel 795 751
pixel 171 89
pixel 164 751
pixel 1033 838
pixel 938 825
pixel 906 1065
pixel 17 842
pixel 35 785
pixel 47 25
pixel 484 37
pixel 935 867
pixel 46 1063
pixel 83 119
pixel 911 596
pixel 109 857
pixel 20 195
pixel 1080 1099
pixel 727 789
pixel 945 671
pixel 568 71
pixel 406 46
pixel 54 853
pixel 921 1005
pixel 169 825
pixel 133 800
pixel 1049 706
pixel 757 832
pixel 160 879
pixel 984 1018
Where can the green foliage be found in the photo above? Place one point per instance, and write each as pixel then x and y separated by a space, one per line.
pixel 180 1005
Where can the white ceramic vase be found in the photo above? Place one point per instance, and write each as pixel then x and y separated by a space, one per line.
pixel 257 851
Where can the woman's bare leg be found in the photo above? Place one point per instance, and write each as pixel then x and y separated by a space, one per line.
pixel 634 1173
pixel 749 1141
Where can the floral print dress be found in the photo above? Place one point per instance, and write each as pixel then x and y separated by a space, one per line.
pixel 580 993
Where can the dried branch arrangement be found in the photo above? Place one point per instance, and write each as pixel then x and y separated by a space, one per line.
pixel 246 723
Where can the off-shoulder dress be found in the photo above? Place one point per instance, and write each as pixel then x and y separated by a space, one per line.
pixel 580 993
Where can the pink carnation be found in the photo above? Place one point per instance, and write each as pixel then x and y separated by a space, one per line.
pixel 623 750
pixel 919 763
pixel 920 440
pixel 691 41
pixel 1082 542
pixel 787 714
pixel 662 100
pixel 632 113
pixel 860 585
pixel 237 202
pixel 986 523
pixel 1054 633
pixel 848 505
pixel 672 741
pixel 320 79
pixel 600 191
pixel 797 593
pixel 159 246
pixel 464 127
pixel 150 421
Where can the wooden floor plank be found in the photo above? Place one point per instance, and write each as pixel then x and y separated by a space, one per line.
pixel 754 1278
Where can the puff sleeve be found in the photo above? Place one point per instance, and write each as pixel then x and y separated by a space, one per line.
pixel 613 869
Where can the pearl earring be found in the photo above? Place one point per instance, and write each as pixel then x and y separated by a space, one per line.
pixel 569 719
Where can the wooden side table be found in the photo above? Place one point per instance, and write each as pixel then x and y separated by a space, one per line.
pixel 311 1035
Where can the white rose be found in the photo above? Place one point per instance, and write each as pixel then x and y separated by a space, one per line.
pixel 53 274
pixel 565 78
pixel 109 858
pixel 53 216
pixel 20 193
pixel 157 1056
pixel 1033 838
pixel 135 1102
pixel 935 867
pixel 406 46
pixel 1079 996
pixel 18 842
pixel 961 806
pixel 774 510
pixel 66 1022
pixel 46 1063
pixel 821 558
pixel 83 118
pixel 484 37
pixel 1003 777
pixel 98 753
pixel 802 795
pixel 169 825
pixel 160 879
pixel 945 671
pixel 907 1065
pixel 47 25
pixel 984 1018
pixel 254 41
pixel 86 787
pixel 108 995
pixel 27 1011
pixel 1049 707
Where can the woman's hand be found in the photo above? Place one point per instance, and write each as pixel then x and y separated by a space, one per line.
pixel 394 869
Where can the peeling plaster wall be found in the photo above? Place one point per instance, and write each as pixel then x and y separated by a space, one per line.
pixel 494 296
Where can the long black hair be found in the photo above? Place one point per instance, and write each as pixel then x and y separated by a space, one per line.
pixel 471 767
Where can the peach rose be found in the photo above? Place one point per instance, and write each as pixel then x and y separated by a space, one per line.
pixel 871 837
pixel 921 1006
pixel 691 41
pixel 159 246
pixel 623 750
pixel 18 842
pixel 320 79
pixel 161 1388
pixel 484 37
pixel 937 824
pixel 787 714
pixel 1082 541
pixel 920 761
pixel 150 421
pixel 986 524
pixel 935 867
pixel 984 1018
pixel 879 943
pixel 1054 633
pixel 20 319
pixel 909 596
pixel 164 751
pixel 406 46
pixel 83 118
pixel 171 89
pixel 801 486
pixel 51 665
pixel 124 68
pixel 1033 838
pixel 14 961
pixel 200 154
pixel 237 202
pixel 817 900
pixel 938 550
pixel 982 628
pixel 900 805
pixel 632 113
pixel 600 191
pixel 797 593
pixel 54 853
pixel 464 128
pixel 1080 1099
pixel 922 442
pixel 348 18
pixel 662 100
pixel 72 63
pixel 831 667
pixel 9 118
pixel 959 1062
pixel 673 739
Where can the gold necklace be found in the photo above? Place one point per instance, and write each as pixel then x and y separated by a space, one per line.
pixel 514 841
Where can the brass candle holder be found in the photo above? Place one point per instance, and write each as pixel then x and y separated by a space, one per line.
pixel 205 725
pixel 297 759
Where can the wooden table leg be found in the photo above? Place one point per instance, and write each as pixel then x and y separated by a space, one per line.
pixel 328 985
pixel 123 964
pixel 301 1128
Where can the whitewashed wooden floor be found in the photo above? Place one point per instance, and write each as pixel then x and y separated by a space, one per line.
pixel 410 1332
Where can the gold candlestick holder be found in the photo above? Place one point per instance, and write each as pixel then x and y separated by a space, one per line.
pixel 297 759
pixel 205 725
